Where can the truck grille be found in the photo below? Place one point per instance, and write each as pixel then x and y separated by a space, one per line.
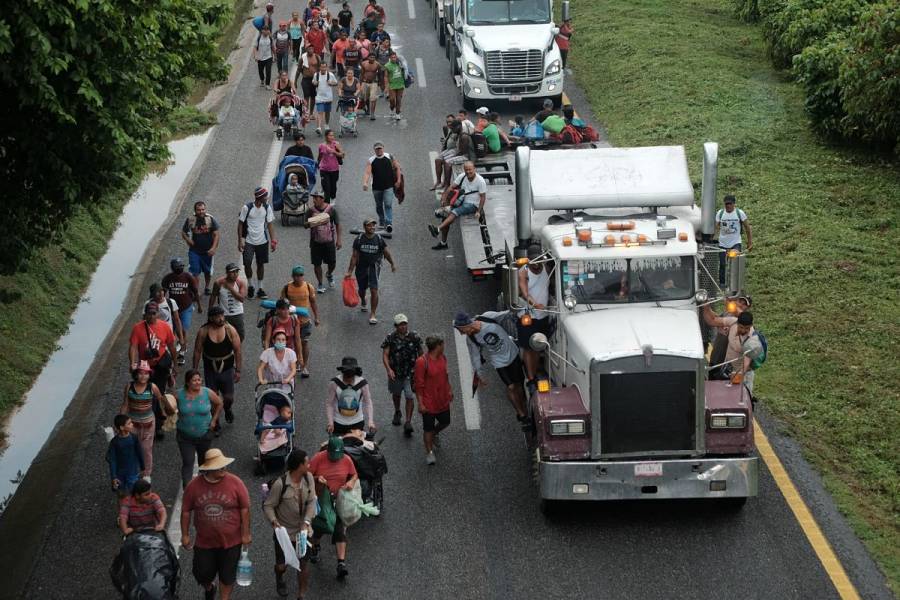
pixel 643 413
pixel 514 65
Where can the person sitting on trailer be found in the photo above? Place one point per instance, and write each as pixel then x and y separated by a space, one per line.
pixel 465 196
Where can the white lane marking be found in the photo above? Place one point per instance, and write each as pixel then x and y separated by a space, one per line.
pixel 470 401
pixel 271 164
pixel 412 9
pixel 420 71
pixel 174 528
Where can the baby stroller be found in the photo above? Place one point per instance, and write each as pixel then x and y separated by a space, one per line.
pixel 349 109
pixel 293 202
pixel 146 567
pixel 275 439
pixel 286 122
pixel 371 466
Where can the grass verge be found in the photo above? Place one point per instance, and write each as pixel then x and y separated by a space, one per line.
pixel 37 302
pixel 823 270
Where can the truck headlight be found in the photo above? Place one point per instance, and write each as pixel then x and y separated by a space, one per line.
pixel 727 421
pixel 570 302
pixel 474 70
pixel 553 68
pixel 567 427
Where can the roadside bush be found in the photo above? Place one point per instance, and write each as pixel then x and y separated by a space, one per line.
pixel 86 85
pixel 793 25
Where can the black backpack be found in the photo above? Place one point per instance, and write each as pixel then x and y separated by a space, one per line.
pixel 283 477
pixel 480 144
pixel 505 319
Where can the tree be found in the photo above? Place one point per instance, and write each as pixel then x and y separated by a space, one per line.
pixel 87 84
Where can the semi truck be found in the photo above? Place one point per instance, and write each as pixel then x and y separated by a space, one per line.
pixel 626 409
pixel 501 49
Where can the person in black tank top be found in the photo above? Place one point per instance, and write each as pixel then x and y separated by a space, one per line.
pixel 383 171
pixel 221 360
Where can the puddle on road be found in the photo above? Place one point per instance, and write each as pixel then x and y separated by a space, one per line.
pixel 31 424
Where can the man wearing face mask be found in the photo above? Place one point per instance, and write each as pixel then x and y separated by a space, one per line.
pixel 219 345
pixel 220 506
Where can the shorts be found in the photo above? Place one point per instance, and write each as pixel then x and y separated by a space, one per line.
pixel 340 530
pixel 370 91
pixel 463 209
pixel 448 154
pixel 200 263
pixel 306 330
pixel 212 562
pixel 341 429
pixel 401 386
pixel 323 253
pixel 186 316
pixel 526 331
pixel 279 553
pixel 260 251
pixel 367 277
pixel 513 373
pixel 236 321
pixel 430 421
pixel 221 383
pixel 323 107
pixel 455 159
pixel 306 84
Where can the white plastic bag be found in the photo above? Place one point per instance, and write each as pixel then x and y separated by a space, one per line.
pixel 287 547
pixel 350 506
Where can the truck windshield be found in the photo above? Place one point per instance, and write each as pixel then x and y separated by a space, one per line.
pixel 629 279
pixel 504 12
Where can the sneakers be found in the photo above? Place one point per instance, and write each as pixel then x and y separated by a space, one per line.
pixel 440 246
pixel 304 374
pixel 261 293
pixel 397 116
pixel 318 131
pixel 398 416
pixel 430 460
pixel 372 117
pixel 433 230
pixel 373 321
pixel 330 281
pixel 407 429
pixel 363 307
pixel 229 415
pixel 280 584
pixel 342 569
pixel 321 288
pixel 251 291
pixel 389 228
pixel 181 359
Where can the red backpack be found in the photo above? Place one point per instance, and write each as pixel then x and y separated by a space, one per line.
pixel 570 135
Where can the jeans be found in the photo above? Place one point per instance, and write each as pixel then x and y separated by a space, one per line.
pixel 283 61
pixel 722 254
pixel 329 184
pixel 188 447
pixel 384 206
pixel 186 315
pixel 265 70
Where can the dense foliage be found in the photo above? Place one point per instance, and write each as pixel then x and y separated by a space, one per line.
pixel 86 84
pixel 846 53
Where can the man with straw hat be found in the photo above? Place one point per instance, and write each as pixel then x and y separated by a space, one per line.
pixel 220 505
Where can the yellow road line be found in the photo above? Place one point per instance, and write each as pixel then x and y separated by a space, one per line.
pixel 565 100
pixel 804 517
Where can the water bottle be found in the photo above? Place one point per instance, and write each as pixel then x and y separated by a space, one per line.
pixel 244 570
pixel 301 543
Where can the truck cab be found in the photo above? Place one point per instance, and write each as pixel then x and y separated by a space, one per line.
pixel 502 49
pixel 627 410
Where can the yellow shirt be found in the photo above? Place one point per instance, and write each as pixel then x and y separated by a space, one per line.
pixel 299 296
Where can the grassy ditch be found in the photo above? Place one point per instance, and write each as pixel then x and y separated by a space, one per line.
pixel 37 302
pixel 823 271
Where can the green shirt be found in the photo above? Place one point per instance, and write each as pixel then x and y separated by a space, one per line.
pixel 492 135
pixel 396 79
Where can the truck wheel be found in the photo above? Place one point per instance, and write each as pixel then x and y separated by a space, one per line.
pixel 549 508
pixel 732 504
pixel 442 33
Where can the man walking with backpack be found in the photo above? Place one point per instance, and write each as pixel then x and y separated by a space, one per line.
pixel 369 249
pixel 489 342
pixel 255 236
pixel 324 237
pixel 201 233
pixel 731 222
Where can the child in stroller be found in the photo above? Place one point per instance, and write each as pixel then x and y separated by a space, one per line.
pixel 349 109
pixel 285 112
pixel 274 427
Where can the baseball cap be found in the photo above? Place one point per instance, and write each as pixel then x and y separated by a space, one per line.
pixel 176 263
pixel 482 110
pixel 462 319
pixel 370 220
pixel 377 145
pixel 400 318
pixel 282 303
pixel 548 103
pixel 230 267
pixel 298 270
pixel 335 448
pixel 260 192
pixel 151 307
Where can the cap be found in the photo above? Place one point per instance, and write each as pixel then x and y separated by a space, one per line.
pixel 260 192
pixel 482 110
pixel 377 145
pixel 282 303
pixel 214 460
pixel 369 220
pixel 151 307
pixel 144 366
pixel 729 199
pixel 335 448
pixel 462 319
pixel 548 103
pixel 298 270
pixel 400 318
pixel 176 263
pixel 231 267
pixel 215 310
pixel 534 250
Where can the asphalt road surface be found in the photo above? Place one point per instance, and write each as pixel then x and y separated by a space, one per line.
pixel 468 527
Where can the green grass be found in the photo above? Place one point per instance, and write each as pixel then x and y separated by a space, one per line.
pixel 824 268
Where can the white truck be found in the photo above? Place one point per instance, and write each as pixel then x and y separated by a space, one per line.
pixel 627 410
pixel 501 49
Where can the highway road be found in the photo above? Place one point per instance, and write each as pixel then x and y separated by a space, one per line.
pixel 467 528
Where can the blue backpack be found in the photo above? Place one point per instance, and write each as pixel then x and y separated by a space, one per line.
pixel 759 360
pixel 259 23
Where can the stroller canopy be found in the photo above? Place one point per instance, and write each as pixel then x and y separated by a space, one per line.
pixel 279 183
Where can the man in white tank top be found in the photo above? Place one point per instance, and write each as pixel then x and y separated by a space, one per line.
pixel 229 292
pixel 534 290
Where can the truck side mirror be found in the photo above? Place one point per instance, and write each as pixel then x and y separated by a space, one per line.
pixel 538 342
pixel 565 10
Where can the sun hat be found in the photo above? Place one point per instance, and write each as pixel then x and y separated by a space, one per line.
pixel 348 363
pixel 143 366
pixel 214 460
pixel 335 448
pixel 400 318
pixel 462 319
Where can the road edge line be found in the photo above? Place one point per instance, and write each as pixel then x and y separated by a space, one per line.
pixel 470 400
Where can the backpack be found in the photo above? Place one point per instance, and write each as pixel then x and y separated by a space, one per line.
pixel 193 222
pixel 349 397
pixel 259 23
pixel 505 319
pixel 243 222
pixel 759 360
pixel 480 144
pixel 570 135
pixel 323 234
pixel 283 477
pixel 534 131
pixel 589 133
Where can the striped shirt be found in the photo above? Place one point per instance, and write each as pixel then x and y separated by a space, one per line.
pixel 140 515
pixel 140 404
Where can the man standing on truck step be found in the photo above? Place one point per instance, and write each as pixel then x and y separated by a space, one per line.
pixel 255 236
pixel 466 196
pixel 488 342
pixel 534 289
pixel 730 223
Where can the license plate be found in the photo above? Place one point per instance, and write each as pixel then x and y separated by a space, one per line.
pixel 653 469
pixel 515 98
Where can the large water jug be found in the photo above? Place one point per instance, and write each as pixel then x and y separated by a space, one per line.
pixel 244 570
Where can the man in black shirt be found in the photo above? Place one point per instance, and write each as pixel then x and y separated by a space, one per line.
pixel 300 148
pixel 383 171
pixel 546 111
pixel 365 263
pixel 345 18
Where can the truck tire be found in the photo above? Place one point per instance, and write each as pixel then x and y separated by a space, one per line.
pixel 549 508
pixel 442 33
pixel 732 504
pixel 468 103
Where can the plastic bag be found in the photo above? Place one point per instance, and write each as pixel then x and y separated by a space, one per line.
pixel 287 547
pixel 325 520
pixel 534 131
pixel 146 567
pixel 553 124
pixel 350 506
pixel 351 295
